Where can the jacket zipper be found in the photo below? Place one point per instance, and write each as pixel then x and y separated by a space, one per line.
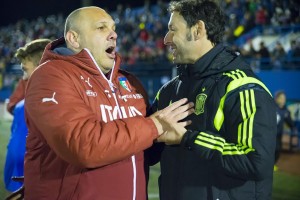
pixel 132 157
pixel 134 177
pixel 111 85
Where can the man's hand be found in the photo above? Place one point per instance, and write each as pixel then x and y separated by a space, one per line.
pixel 168 121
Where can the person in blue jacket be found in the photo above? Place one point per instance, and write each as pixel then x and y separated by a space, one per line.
pixel 30 56
pixel 283 117
pixel 14 165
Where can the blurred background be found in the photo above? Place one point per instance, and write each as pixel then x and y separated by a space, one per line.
pixel 265 32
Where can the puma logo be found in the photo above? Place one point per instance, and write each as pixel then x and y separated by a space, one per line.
pixel 87 81
pixel 50 99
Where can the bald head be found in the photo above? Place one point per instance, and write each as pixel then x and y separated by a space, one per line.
pixel 92 29
pixel 79 15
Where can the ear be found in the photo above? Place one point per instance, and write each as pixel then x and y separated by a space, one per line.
pixel 200 30
pixel 72 38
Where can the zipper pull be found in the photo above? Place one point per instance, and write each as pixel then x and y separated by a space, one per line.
pixel 112 86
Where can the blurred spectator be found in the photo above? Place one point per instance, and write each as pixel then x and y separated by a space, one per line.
pixel 30 56
pixel 293 55
pixel 278 56
pixel 264 55
pixel 281 16
pixel 248 21
pixel 261 16
pixel 263 51
pixel 294 8
pixel 283 117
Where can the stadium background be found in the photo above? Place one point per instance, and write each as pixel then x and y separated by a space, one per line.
pixel 154 72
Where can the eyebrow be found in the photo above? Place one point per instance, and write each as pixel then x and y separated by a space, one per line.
pixel 105 22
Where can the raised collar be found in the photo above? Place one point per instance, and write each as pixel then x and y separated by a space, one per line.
pixel 202 66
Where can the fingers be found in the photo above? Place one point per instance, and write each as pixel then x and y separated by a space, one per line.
pixel 185 123
pixel 182 108
pixel 170 119
pixel 180 115
pixel 173 106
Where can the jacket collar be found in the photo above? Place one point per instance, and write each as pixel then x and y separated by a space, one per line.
pixel 57 50
pixel 204 66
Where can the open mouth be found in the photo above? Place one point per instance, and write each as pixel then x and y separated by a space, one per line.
pixel 111 52
pixel 172 48
pixel 173 51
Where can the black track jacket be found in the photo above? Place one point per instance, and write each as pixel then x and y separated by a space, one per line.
pixel 228 150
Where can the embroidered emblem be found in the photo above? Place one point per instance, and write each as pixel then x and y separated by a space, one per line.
pixel 200 103
pixel 50 99
pixel 124 83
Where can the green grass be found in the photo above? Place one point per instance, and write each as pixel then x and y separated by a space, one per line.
pixel 4 137
pixel 153 183
pixel 285 186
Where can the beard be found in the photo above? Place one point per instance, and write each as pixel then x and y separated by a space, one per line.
pixel 189 36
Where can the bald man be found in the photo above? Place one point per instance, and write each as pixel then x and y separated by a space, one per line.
pixel 86 118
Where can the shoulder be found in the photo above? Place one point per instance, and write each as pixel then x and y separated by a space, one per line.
pixel 53 69
pixel 133 80
pixel 173 83
pixel 239 80
pixel 55 66
pixel 167 89
pixel 127 74
pixel 136 83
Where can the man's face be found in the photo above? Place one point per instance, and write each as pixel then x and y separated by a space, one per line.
pixel 97 33
pixel 180 40
pixel 28 67
pixel 281 100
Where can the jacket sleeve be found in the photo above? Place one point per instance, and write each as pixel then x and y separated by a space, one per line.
pixel 72 130
pixel 153 154
pixel 245 149
pixel 288 120
pixel 17 95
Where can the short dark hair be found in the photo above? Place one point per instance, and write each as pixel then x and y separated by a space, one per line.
pixel 207 11
pixel 279 93
pixel 32 50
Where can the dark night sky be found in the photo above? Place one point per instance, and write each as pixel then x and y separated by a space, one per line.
pixel 13 10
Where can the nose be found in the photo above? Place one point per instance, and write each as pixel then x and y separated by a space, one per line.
pixel 113 35
pixel 167 39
